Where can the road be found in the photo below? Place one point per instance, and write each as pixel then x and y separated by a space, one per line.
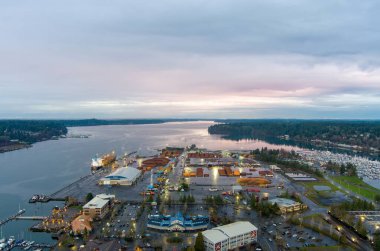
pixel 313 207
pixel 358 243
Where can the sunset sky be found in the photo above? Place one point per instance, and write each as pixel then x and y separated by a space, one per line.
pixel 190 59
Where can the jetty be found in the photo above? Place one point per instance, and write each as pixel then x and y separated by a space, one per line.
pixel 39 218
pixel 13 217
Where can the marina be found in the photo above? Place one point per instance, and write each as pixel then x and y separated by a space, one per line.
pixel 11 243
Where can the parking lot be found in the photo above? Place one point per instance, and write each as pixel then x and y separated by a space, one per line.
pixel 278 231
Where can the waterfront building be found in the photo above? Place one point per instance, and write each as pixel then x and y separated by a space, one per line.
pixel 287 205
pixel 178 222
pixel 99 206
pixel 230 236
pixel 81 224
pixel 124 176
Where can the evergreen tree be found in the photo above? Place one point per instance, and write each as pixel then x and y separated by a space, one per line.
pixel 199 243
pixel 376 241
pixel 89 197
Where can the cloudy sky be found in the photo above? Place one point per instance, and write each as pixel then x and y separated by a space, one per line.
pixel 187 59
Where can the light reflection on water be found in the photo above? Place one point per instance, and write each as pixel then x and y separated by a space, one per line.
pixel 50 165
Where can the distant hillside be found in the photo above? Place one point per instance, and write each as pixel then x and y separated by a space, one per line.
pixel 98 122
pixel 16 134
pixel 363 134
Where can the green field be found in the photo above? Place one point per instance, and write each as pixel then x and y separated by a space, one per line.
pixel 314 195
pixel 357 186
pixel 321 182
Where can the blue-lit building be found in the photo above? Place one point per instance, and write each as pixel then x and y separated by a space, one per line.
pixel 178 223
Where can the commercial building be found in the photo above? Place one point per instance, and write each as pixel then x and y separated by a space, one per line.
pixel 178 223
pixel 287 205
pixel 81 224
pixel 230 236
pixel 124 176
pixel 99 206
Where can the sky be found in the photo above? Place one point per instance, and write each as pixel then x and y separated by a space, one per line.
pixel 190 59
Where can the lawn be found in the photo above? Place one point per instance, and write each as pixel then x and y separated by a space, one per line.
pixel 322 182
pixel 315 195
pixel 357 186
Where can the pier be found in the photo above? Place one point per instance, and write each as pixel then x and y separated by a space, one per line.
pixel 34 245
pixel 39 218
pixel 44 198
pixel 13 217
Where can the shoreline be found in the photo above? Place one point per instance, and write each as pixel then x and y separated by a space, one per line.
pixel 14 147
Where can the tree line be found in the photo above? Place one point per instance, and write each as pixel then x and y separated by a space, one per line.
pixel 365 134
pixel 284 158
pixel 29 131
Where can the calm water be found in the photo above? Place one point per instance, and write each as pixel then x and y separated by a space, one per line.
pixel 50 165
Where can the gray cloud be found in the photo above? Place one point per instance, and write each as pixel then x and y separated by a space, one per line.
pixel 189 58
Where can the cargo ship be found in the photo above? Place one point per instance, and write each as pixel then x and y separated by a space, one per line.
pixel 103 161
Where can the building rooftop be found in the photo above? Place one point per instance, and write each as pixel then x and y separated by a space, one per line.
pixel 99 201
pixel 214 235
pixel 124 173
pixel 237 228
pixel 221 233
pixel 283 202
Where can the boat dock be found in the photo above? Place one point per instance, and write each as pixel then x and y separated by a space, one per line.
pixel 13 217
pixel 39 218
pixel 44 198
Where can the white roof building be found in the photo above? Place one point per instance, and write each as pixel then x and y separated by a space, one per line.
pixel 214 236
pixel 99 201
pixel 230 236
pixel 99 205
pixel 123 176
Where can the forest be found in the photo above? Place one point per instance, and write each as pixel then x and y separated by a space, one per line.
pixel 16 134
pixel 363 134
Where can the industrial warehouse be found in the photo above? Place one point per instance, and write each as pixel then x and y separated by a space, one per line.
pixel 230 236
pixel 124 176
